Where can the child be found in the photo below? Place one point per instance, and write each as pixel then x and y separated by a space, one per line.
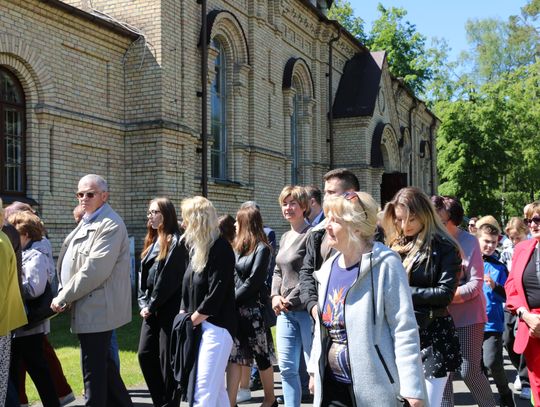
pixel 495 274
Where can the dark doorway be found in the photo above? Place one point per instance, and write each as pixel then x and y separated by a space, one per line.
pixel 391 183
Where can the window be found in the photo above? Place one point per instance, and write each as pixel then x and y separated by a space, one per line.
pixel 295 145
pixel 12 132
pixel 218 129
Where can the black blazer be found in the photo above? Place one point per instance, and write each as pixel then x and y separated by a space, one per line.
pixel 211 291
pixel 250 275
pixel 166 295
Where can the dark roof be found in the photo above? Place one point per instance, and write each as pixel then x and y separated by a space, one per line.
pixel 359 86
pixel 115 27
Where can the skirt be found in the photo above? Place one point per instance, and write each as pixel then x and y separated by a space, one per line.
pixel 440 349
pixel 253 340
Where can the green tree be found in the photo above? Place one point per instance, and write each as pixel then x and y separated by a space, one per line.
pixel 343 12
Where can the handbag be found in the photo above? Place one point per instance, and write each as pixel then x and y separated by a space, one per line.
pixel 269 316
pixel 39 309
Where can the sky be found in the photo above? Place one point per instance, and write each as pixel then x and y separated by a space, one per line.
pixel 439 18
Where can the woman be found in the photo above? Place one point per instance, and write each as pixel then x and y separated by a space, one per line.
pixel 366 350
pixel 163 262
pixel 523 298
pixel 468 307
pixel 431 257
pixel 253 254
pixel 12 313
pixel 208 293
pixel 293 327
pixel 28 342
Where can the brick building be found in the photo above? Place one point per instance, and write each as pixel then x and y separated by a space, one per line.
pixel 114 87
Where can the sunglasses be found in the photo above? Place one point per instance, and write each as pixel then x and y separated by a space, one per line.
pixel 472 225
pixel 152 212
pixel 535 219
pixel 89 195
pixel 350 195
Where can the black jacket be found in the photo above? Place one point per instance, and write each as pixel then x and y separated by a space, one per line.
pixel 313 260
pixel 250 275
pixel 211 291
pixel 434 278
pixel 166 294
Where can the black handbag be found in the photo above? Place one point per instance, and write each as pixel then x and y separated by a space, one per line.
pixel 39 309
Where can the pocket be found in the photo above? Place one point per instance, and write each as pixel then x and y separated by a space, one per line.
pixel 383 362
pixel 92 309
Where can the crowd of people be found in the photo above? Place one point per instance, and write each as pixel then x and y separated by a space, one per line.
pixel 371 306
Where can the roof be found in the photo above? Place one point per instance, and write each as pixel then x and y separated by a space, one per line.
pixel 359 85
pixel 110 25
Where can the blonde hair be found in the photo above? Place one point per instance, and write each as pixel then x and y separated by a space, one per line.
pixel 531 209
pixel 487 224
pixel 201 229
pixel 359 215
pixel 517 224
pixel 415 203
pixel 297 193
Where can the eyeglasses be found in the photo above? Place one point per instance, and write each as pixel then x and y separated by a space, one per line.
pixel 89 195
pixel 472 225
pixel 152 212
pixel 535 219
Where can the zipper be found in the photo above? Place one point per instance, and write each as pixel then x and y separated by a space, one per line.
pixel 344 319
pixel 384 364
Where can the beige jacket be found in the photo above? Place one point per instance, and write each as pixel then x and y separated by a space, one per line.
pixel 99 290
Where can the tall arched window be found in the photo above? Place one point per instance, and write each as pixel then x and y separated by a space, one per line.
pixel 12 132
pixel 295 141
pixel 219 114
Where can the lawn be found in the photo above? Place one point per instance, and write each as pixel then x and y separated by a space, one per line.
pixel 67 349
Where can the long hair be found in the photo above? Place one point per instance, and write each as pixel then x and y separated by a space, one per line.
pixel 165 230
pixel 250 230
pixel 201 229
pixel 415 203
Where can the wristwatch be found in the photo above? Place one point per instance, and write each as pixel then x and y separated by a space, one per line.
pixel 520 314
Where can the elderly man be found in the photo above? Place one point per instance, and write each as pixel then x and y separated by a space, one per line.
pixel 94 268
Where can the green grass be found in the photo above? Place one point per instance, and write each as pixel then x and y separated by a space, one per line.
pixel 67 348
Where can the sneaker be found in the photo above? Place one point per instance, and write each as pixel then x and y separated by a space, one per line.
pixel 68 398
pixel 280 400
pixel 255 384
pixel 243 395
pixel 517 384
pixel 525 393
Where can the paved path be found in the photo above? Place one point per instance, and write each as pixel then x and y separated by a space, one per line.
pixel 141 397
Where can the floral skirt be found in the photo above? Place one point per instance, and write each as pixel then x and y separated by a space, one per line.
pixel 440 349
pixel 253 340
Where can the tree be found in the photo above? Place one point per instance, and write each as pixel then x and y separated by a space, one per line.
pixel 343 12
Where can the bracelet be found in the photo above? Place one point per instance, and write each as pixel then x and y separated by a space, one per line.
pixel 520 314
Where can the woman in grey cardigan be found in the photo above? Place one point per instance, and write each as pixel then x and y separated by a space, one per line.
pixel 366 350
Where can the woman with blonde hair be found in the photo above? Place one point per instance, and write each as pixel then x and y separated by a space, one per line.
pixel 293 327
pixel 208 293
pixel 163 263
pixel 366 350
pixel 433 263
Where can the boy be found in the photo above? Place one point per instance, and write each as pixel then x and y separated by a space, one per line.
pixel 495 274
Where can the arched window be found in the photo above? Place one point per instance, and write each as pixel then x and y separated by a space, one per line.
pixel 219 114
pixel 12 133
pixel 295 140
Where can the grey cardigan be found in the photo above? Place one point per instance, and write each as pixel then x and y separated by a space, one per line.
pixel 383 341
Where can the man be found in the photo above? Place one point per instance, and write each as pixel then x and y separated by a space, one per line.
pixel 336 182
pixel 94 267
pixel 315 213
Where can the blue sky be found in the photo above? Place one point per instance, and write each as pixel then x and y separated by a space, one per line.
pixel 442 19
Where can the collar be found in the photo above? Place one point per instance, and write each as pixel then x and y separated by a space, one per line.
pixel 92 217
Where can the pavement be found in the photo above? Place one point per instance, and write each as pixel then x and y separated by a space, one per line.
pixel 141 397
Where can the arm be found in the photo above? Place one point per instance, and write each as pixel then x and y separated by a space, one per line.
pixel 448 267
pixel 308 285
pixel 498 284
pixel 98 264
pixel 170 277
pixel 35 275
pixel 252 285
pixel 473 287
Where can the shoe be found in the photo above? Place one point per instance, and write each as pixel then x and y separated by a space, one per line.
pixel 307 398
pixel 517 384
pixel 525 393
pixel 255 384
pixel 68 398
pixel 243 395
pixel 507 400
pixel 280 400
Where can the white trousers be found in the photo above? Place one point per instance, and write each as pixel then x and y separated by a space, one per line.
pixel 435 390
pixel 214 351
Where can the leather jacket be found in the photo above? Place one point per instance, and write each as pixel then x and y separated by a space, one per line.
pixel 250 276
pixel 434 278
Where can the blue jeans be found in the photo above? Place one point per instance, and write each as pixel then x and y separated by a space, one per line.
pixel 293 330
pixel 114 350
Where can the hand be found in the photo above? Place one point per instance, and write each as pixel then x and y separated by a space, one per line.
pixel 415 402
pixel 145 313
pixel 533 322
pixel 279 304
pixel 311 385
pixel 489 280
pixel 315 312
pixel 58 306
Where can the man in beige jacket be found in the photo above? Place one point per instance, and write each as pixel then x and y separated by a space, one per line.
pixel 94 276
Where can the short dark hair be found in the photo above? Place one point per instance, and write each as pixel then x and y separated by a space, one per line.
pixel 314 192
pixel 451 205
pixel 488 229
pixel 347 178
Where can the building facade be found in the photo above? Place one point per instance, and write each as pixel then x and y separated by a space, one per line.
pixel 114 87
